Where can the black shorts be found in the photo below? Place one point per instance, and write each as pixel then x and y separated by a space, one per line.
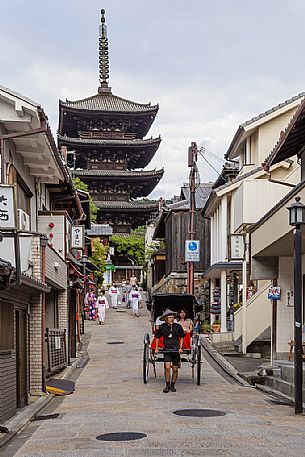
pixel 173 357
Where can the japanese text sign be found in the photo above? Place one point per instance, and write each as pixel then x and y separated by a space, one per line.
pixel 7 207
pixel 237 247
pixel 77 237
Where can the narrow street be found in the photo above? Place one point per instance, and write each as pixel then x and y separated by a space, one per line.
pixel 110 397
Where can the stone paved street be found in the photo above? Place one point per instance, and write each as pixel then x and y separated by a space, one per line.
pixel 110 397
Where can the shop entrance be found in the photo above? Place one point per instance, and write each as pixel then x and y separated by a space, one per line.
pixel 21 358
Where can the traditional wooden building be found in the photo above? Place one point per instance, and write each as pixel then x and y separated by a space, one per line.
pixel 106 134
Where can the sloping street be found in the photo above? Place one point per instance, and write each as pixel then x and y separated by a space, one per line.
pixel 110 397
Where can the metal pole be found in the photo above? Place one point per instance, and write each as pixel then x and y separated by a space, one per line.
pixel 273 326
pixel 298 368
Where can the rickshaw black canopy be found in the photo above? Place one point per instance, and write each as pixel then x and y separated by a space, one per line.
pixel 175 302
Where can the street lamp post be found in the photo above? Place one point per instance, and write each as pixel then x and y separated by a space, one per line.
pixel 84 261
pixel 296 219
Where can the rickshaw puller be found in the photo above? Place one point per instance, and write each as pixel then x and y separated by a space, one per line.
pixel 173 341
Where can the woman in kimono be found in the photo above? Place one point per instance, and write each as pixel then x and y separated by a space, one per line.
pixel 90 305
pixel 134 298
pixel 113 291
pixel 102 305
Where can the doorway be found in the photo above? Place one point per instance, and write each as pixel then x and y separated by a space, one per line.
pixel 21 358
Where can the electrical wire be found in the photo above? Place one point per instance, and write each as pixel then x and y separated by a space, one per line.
pixel 204 158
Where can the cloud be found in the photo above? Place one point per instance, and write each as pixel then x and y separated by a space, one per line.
pixel 210 66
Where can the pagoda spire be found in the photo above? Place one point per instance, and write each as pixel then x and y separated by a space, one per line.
pixel 103 56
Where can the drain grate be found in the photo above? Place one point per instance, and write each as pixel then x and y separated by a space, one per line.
pixel 115 342
pixel 199 412
pixel 120 311
pixel 46 416
pixel 121 436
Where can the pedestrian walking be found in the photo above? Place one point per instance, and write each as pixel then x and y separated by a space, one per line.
pixel 102 305
pixel 135 298
pixel 173 335
pixel 113 291
pixel 90 305
pixel 133 280
pixel 128 288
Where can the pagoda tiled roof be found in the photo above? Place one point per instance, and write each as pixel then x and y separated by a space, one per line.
pixel 129 205
pixel 121 173
pixel 103 142
pixel 109 102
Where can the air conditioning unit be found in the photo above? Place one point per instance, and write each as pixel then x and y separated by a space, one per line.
pixel 23 220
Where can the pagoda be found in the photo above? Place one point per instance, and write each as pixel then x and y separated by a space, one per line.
pixel 106 134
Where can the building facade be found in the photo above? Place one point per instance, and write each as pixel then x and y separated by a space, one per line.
pixel 33 249
pixel 237 204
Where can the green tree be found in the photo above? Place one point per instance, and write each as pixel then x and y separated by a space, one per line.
pixel 79 184
pixel 132 246
pixel 98 258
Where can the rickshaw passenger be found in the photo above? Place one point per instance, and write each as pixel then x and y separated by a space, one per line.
pixel 187 326
pixel 173 335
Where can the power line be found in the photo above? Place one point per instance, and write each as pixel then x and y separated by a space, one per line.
pixel 204 158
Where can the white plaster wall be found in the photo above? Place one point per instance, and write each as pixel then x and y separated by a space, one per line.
pixel 285 313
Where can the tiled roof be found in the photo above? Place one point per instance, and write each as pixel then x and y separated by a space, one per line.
pixel 262 115
pixel 272 110
pixel 291 141
pixel 124 173
pixel 134 205
pixel 201 194
pixel 20 96
pixel 109 102
pixel 93 141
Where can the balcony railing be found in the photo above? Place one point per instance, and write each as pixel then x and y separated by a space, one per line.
pixel 96 134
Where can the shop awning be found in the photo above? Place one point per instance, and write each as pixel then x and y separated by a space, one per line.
pixel 214 271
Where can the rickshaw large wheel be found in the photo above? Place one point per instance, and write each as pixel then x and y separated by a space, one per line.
pixel 146 361
pixel 198 361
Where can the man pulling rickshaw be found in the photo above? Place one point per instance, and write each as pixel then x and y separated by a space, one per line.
pixel 173 335
pixel 172 343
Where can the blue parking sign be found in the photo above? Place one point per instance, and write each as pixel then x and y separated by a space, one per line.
pixel 192 250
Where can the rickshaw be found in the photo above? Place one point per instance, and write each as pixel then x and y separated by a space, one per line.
pixel 192 354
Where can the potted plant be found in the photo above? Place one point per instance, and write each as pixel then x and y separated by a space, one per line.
pixel 206 328
pixel 216 326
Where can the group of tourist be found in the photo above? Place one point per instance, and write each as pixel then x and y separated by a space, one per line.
pixel 96 304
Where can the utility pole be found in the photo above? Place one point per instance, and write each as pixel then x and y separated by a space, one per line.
pixel 192 164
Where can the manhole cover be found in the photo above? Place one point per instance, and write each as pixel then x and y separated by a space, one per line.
pixel 115 342
pixel 121 436
pixel 199 412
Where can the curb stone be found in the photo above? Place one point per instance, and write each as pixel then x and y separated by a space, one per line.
pixel 225 365
pixel 18 423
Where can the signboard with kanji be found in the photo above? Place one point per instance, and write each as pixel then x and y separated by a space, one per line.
pixel 237 247
pixel 7 207
pixel 77 237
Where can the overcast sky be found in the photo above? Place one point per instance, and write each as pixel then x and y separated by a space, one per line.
pixel 209 65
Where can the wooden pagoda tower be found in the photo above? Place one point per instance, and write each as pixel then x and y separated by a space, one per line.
pixel 106 134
